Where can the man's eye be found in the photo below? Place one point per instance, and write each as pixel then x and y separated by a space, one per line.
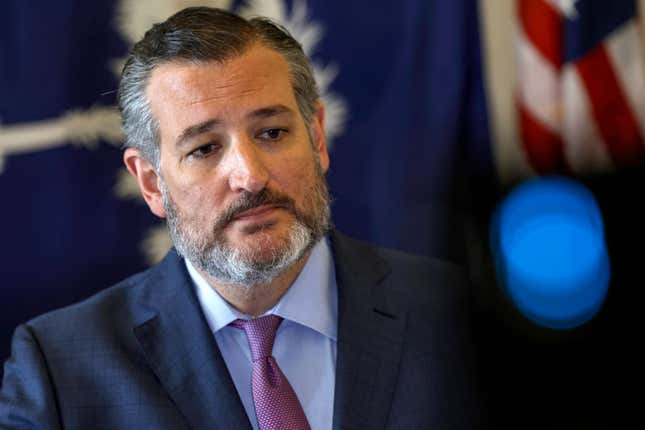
pixel 204 150
pixel 272 134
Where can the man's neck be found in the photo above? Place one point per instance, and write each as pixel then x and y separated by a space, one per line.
pixel 256 299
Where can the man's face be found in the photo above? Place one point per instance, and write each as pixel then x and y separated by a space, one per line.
pixel 242 179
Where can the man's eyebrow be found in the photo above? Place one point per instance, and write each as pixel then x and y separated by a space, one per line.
pixel 196 130
pixel 269 111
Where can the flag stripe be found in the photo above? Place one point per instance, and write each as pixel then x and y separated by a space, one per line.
pixel 543 147
pixel 539 89
pixel 543 27
pixel 584 147
pixel 629 68
pixel 615 120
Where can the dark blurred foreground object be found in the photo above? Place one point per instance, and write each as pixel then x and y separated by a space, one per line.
pixel 541 378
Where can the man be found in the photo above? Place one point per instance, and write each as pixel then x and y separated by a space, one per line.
pixel 261 316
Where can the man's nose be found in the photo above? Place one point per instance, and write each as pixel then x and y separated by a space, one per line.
pixel 248 172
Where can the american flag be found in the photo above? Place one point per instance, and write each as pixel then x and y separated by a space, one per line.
pixel 581 84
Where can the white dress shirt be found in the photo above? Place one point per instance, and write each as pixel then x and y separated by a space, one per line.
pixel 305 343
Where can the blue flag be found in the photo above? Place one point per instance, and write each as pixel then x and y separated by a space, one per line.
pixel 406 121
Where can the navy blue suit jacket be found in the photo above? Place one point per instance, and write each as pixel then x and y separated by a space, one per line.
pixel 140 354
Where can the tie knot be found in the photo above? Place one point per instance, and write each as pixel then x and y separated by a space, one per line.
pixel 260 333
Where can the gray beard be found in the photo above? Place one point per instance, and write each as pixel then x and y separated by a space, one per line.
pixel 231 265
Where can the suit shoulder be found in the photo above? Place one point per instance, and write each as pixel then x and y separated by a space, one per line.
pixel 360 247
pixel 425 278
pixel 421 263
pixel 99 311
pixel 419 278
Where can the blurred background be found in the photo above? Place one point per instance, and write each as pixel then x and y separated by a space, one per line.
pixel 436 110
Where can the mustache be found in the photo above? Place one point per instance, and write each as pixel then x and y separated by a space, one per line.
pixel 253 200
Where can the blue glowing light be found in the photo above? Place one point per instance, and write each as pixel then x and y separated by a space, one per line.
pixel 549 244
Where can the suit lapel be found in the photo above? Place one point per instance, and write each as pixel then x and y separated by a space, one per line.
pixel 182 352
pixel 370 337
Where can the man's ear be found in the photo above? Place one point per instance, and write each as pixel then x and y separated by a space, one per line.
pixel 147 178
pixel 318 134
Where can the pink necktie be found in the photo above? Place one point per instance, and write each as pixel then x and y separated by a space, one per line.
pixel 276 404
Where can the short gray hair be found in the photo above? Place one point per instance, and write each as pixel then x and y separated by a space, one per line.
pixel 199 35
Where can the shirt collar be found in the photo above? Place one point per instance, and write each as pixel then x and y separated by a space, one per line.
pixel 311 301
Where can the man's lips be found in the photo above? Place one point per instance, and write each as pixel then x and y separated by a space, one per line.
pixel 257 212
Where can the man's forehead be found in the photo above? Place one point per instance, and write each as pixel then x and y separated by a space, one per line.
pixel 190 82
